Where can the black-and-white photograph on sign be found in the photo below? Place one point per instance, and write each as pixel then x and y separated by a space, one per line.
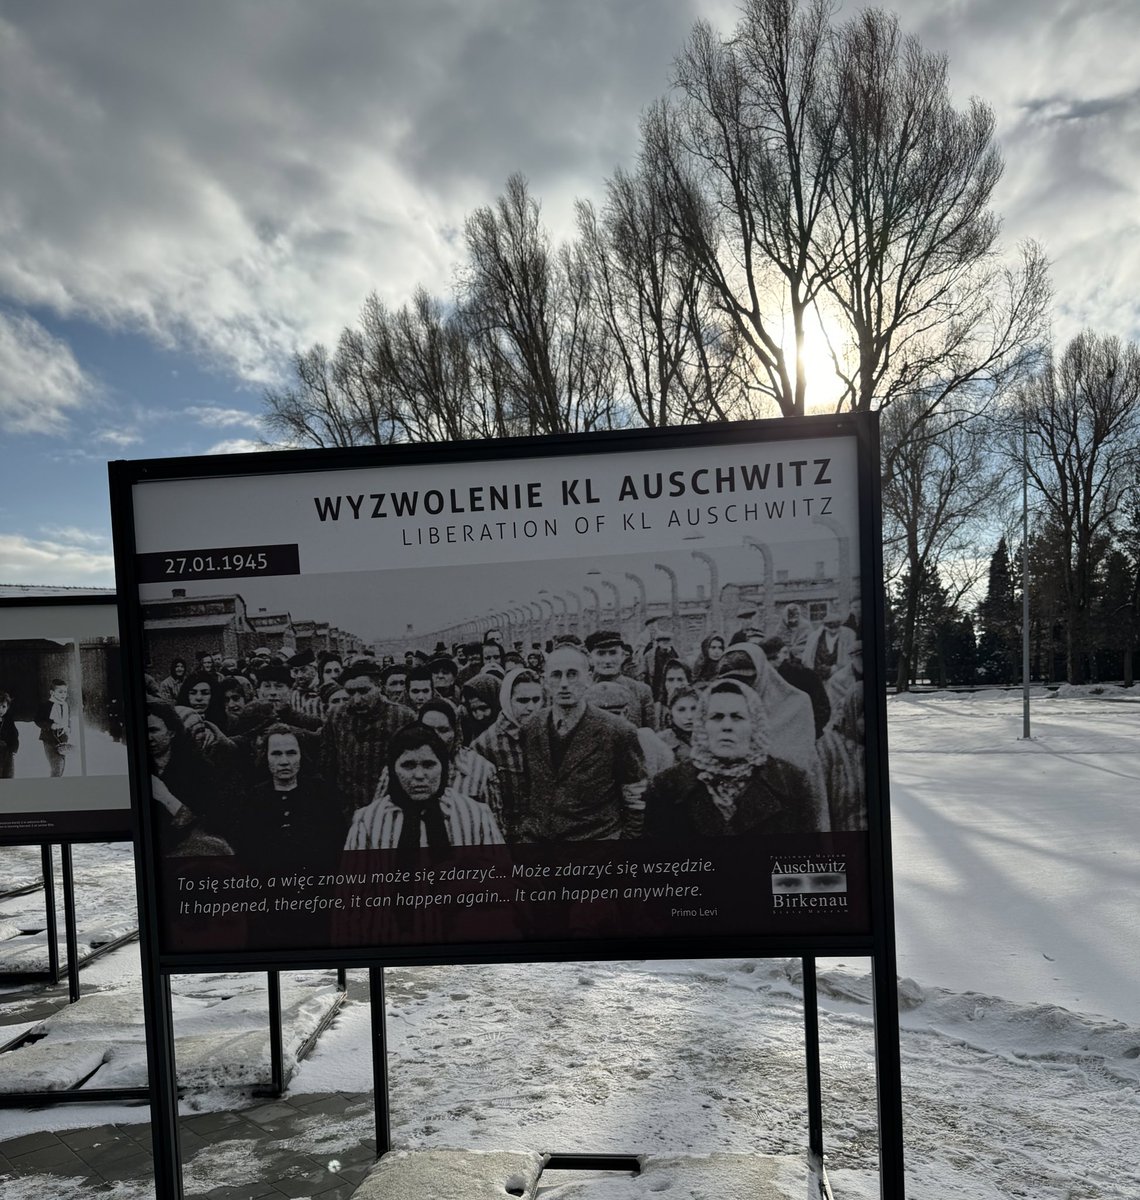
pixel 519 698
pixel 63 755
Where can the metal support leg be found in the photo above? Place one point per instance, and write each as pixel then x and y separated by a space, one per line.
pixel 70 932
pixel 379 1060
pixel 276 1051
pixel 165 1142
pixel 888 1060
pixel 49 901
pixel 811 1047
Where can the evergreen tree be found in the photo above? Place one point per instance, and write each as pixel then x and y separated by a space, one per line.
pixel 999 616
pixel 945 636
pixel 1115 619
pixel 1047 627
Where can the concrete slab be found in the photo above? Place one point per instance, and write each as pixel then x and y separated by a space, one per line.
pixel 27 954
pixel 451 1175
pixel 241 1059
pixel 48 1066
pixel 687 1177
pixel 110 1011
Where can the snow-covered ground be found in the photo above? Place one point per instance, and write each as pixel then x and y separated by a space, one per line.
pixel 1017 869
pixel 1017 863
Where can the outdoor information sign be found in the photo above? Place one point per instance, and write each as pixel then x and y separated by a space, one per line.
pixel 63 757
pixel 615 695
pixel 733 563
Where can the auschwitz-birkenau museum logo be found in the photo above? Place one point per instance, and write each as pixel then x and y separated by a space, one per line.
pixel 805 883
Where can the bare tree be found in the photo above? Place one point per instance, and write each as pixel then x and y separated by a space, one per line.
pixel 800 176
pixel 586 351
pixel 742 154
pixel 823 175
pixel 944 484
pixel 930 306
pixel 421 355
pixel 532 304
pixel 1083 414
pixel 674 357
pixel 333 401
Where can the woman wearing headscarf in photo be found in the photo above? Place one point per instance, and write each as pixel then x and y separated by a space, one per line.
pixel 841 751
pixel 480 705
pixel 709 655
pixel 520 694
pixel 789 721
pixel 677 676
pixel 418 809
pixel 202 694
pixel 734 784
pixel 470 773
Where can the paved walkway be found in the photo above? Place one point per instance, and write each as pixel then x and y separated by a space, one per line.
pixel 272 1141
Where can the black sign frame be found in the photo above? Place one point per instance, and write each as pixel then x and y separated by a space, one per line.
pixel 877 943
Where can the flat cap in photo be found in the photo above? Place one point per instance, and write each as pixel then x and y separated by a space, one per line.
pixel 603 639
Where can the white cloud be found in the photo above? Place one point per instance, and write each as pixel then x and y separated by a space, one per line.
pixel 118 437
pixel 41 384
pixel 1068 121
pixel 61 560
pixel 171 169
pixel 72 534
pixel 238 446
pixel 226 418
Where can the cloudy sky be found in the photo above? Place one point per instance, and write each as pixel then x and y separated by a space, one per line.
pixel 189 192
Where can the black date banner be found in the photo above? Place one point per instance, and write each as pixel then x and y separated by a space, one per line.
pixel 541 693
pixel 224 562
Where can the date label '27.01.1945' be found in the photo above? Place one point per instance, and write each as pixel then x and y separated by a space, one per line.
pixel 224 562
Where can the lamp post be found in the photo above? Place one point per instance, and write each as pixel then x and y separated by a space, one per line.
pixel 1024 571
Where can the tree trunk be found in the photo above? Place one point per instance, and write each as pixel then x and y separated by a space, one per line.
pixel 906 646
